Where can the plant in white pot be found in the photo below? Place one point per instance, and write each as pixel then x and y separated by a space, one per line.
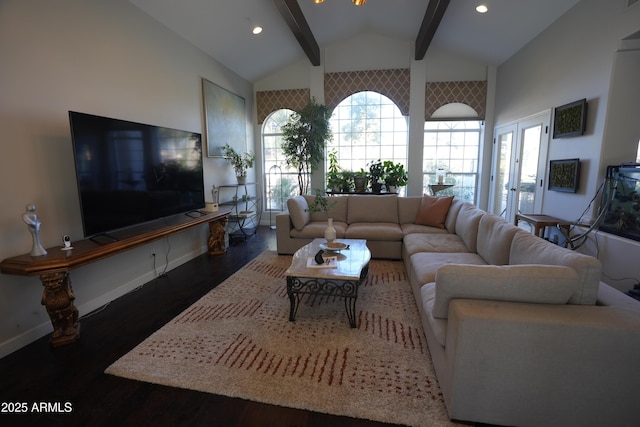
pixel 240 162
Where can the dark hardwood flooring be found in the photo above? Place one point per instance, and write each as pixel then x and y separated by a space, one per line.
pixel 74 374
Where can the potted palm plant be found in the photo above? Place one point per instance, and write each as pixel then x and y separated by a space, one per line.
pixel 240 162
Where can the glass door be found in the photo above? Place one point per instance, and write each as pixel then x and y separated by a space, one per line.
pixel 502 169
pixel 519 159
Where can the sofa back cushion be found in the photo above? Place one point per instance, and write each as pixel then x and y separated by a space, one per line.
pixel 539 284
pixel 372 209
pixel 408 209
pixel 494 239
pixel 529 249
pixel 338 210
pixel 298 211
pixel 467 222
pixel 452 215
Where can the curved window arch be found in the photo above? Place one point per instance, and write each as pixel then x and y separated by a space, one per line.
pixel 280 181
pixel 368 126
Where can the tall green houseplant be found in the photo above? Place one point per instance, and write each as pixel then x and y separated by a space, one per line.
pixel 305 136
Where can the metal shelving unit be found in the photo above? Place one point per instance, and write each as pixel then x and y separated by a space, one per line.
pixel 245 202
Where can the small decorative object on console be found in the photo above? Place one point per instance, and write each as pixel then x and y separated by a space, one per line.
pixel 33 223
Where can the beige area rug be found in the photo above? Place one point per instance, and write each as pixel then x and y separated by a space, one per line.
pixel 237 341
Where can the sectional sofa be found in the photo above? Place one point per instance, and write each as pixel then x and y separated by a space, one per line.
pixel 521 331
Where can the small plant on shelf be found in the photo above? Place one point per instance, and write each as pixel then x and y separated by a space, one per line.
pixel 240 162
pixel 394 175
pixel 376 173
pixel 334 176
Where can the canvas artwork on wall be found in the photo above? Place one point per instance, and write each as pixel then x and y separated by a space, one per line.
pixel 225 119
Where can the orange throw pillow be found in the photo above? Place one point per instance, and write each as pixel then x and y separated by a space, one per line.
pixel 433 211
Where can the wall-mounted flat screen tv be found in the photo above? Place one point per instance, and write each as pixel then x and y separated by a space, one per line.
pixel 130 173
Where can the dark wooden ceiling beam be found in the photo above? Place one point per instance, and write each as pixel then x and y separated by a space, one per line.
pixel 293 16
pixel 432 17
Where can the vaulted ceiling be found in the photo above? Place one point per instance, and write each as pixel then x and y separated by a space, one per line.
pixel 222 28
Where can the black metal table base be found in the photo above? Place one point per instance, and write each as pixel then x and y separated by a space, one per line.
pixel 347 289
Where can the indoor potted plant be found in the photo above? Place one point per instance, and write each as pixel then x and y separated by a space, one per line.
pixel 360 180
pixel 334 176
pixel 376 172
pixel 240 162
pixel 394 175
pixel 304 139
pixel 321 204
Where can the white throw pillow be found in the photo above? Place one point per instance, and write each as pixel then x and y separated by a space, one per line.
pixel 542 284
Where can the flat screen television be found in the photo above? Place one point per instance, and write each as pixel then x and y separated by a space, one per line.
pixel 131 173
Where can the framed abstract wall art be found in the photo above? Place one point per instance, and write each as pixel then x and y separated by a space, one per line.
pixel 225 121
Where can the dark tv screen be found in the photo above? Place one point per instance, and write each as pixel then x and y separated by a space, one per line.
pixel 130 173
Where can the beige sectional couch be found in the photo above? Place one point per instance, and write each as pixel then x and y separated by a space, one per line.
pixel 520 331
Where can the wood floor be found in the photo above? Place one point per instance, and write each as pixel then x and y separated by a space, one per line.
pixel 73 376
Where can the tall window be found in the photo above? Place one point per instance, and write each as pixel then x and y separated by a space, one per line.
pixel 281 182
pixel 453 146
pixel 368 126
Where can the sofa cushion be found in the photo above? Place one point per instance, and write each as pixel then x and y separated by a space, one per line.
pixel 372 209
pixel 421 229
pixel 433 242
pixel 386 231
pixel 425 265
pixel 437 326
pixel 338 210
pixel 467 225
pixel 452 215
pixel 433 211
pixel 408 209
pixel 299 212
pixel 494 239
pixel 316 229
pixel 542 284
pixel 529 249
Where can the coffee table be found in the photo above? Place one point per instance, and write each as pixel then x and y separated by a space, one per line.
pixel 342 281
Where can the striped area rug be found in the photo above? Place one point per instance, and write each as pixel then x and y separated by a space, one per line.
pixel 237 341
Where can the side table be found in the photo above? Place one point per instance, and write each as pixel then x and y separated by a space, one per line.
pixel 540 221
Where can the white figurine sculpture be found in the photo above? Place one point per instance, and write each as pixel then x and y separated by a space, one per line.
pixel 33 223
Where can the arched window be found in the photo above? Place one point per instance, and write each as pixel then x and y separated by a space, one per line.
pixel 280 181
pixel 454 147
pixel 367 126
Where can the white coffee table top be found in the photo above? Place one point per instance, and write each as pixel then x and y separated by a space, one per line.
pixel 350 261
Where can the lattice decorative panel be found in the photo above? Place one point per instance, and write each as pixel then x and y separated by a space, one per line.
pixel 473 94
pixel 271 100
pixel 394 84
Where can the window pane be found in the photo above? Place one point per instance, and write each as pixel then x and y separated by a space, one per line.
pixel 368 126
pixel 453 146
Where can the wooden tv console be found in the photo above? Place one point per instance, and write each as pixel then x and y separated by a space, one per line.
pixel 54 267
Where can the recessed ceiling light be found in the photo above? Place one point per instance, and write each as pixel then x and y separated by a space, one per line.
pixel 257 29
pixel 482 8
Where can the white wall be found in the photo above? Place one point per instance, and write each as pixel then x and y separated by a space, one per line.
pixel 100 57
pixel 573 59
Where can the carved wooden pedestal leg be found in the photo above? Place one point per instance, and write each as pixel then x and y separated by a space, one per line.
pixel 58 298
pixel 216 237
